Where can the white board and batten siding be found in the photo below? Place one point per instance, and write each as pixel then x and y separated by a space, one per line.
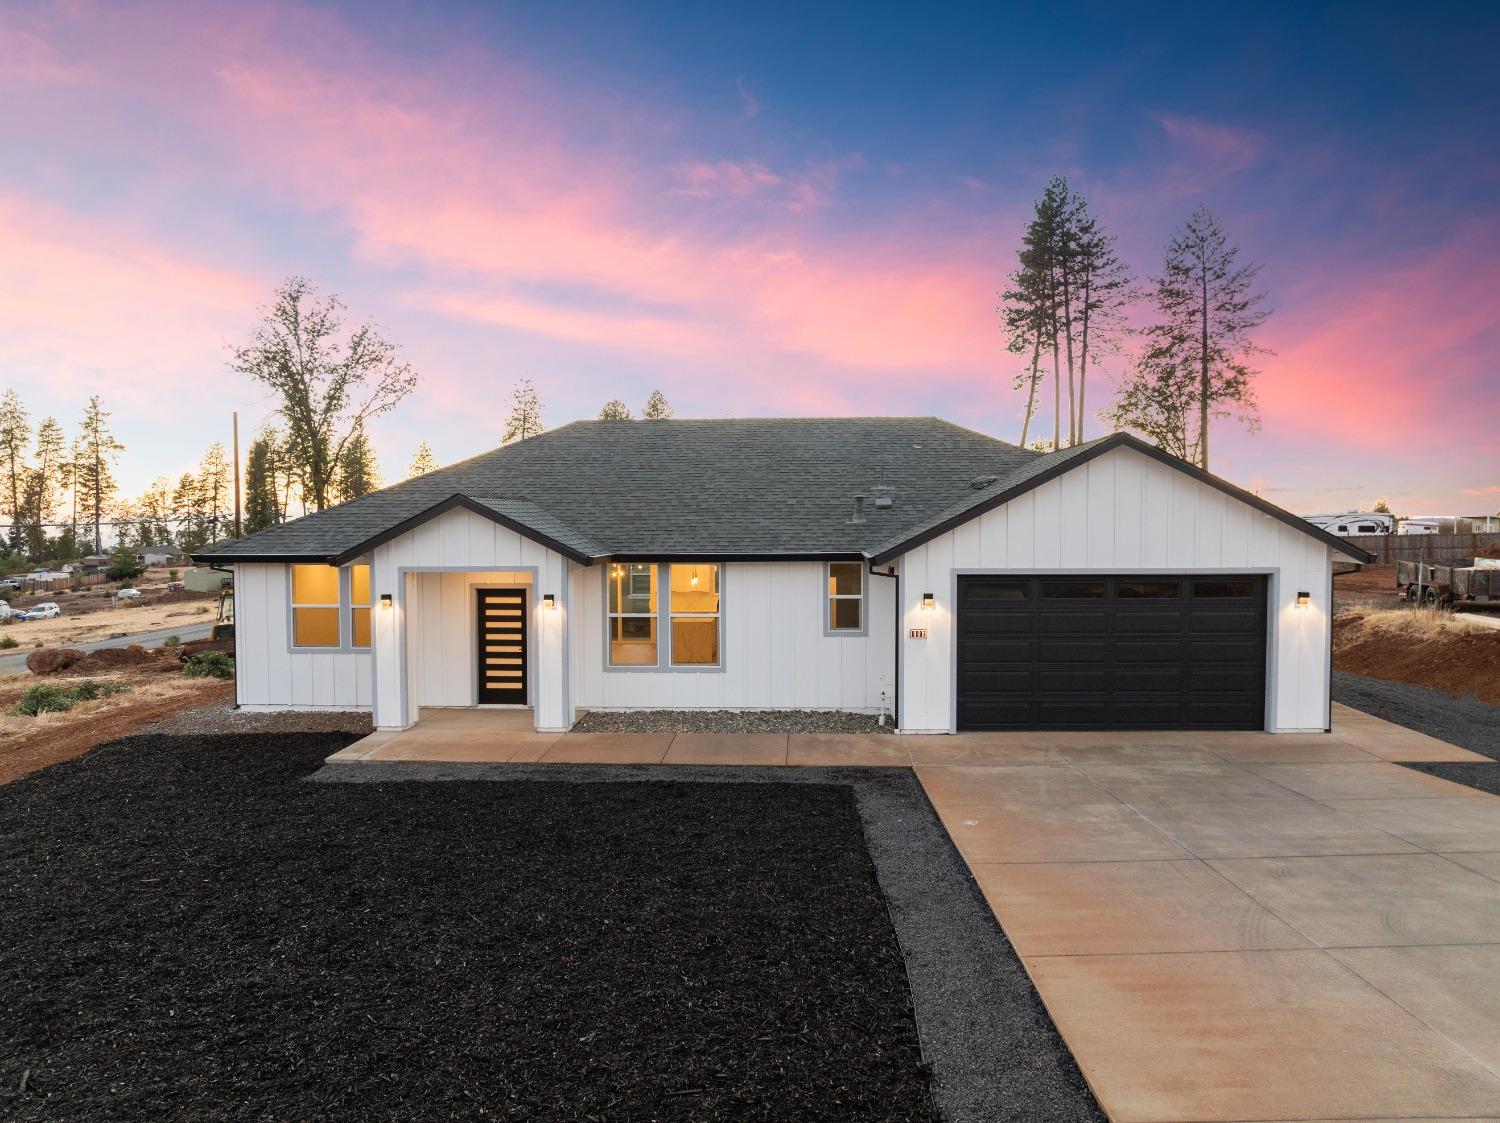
pixel 1121 513
pixel 269 675
pixel 775 652
pixel 461 541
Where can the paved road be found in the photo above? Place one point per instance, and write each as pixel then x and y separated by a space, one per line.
pixel 16 661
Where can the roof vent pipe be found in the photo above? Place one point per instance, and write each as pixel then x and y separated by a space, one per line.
pixel 859 509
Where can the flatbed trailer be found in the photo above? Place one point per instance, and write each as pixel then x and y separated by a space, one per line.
pixel 1466 582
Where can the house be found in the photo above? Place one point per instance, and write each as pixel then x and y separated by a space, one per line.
pixel 957 581
pixel 155 557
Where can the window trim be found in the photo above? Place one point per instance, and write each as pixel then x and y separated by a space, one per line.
pixel 718 618
pixel 346 617
pixel 828 597
pixel 663 617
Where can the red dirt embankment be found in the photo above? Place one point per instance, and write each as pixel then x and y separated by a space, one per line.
pixel 1439 650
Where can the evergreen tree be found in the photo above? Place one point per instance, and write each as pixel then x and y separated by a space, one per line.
pixel 358 472
pixel 525 418
pixel 45 483
pixel 422 462
pixel 153 515
pixel 1206 308
pixel 615 410
pixel 191 513
pixel 215 479
pixel 657 408
pixel 262 508
pixel 15 436
pixel 1104 290
pixel 95 453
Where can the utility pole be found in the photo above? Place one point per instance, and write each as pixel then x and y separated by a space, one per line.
pixel 236 473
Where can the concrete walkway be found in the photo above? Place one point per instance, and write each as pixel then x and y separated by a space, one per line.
pixel 1225 926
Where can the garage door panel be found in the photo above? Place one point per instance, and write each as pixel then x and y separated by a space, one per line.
pixel 1103 652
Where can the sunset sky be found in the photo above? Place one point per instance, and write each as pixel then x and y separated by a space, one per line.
pixel 762 210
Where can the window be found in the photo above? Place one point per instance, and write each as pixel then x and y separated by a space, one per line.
pixel 1146 590
pixel 359 606
pixel 315 606
pixel 846 596
pixel 1228 588
pixel 1072 590
pixel 694 604
pixel 632 615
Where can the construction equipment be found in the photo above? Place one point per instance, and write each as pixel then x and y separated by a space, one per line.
pixel 221 635
pixel 1463 583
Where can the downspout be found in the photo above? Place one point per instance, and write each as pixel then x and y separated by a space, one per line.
pixel 896 686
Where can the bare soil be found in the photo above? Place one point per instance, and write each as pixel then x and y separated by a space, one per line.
pixel 30 743
pixel 1439 650
pixel 1372 586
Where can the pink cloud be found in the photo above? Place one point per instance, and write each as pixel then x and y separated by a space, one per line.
pixel 727 178
pixel 1208 153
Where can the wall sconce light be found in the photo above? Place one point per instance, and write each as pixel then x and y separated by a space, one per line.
pixel 385 600
pixel 549 601
pixel 1304 599
pixel 928 600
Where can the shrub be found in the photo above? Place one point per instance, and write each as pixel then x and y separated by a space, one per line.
pixel 209 664
pixel 172 575
pixel 172 641
pixel 47 698
pixel 9 641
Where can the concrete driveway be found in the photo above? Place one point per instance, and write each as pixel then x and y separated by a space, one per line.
pixel 1224 926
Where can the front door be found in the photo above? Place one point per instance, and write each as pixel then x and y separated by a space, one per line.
pixel 502 647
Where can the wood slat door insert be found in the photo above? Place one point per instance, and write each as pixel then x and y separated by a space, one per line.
pixel 501 659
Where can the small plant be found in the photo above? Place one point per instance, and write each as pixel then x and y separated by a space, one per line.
pixel 209 664
pixel 47 698
pixel 172 641
pixel 171 575
pixel 8 642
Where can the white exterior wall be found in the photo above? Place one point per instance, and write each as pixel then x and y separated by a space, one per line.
pixel 443 639
pixel 461 541
pixel 775 652
pixel 1124 512
pixel 269 675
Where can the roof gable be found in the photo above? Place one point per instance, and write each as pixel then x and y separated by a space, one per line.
pixel 1051 465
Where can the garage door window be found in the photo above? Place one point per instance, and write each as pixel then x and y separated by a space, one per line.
pixel 1221 588
pixel 1146 590
pixel 846 597
pixel 1073 590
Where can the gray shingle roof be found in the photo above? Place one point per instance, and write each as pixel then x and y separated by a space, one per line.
pixel 759 487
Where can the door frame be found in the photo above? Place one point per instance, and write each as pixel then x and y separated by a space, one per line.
pixel 476 641
pixel 1272 574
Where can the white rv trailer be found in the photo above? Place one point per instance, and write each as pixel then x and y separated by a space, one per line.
pixel 1354 523
pixel 1420 526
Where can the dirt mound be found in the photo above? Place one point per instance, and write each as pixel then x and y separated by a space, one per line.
pixel 1432 649
pixel 1490 552
pixel 51 660
pixel 109 658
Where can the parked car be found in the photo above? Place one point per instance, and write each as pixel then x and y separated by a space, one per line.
pixel 10 583
pixel 127 594
pixel 43 611
pixel 6 611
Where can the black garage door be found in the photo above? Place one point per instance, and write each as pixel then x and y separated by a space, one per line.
pixel 1085 652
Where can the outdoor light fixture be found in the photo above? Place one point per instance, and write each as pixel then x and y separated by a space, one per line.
pixel 927 600
pixel 1304 599
pixel 385 600
pixel 549 601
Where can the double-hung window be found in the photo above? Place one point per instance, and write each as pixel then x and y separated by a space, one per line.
pixel 846 597
pixel 695 614
pixel 315 605
pixel 632 615
pixel 330 607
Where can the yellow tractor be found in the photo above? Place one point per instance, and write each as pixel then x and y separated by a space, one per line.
pixel 221 635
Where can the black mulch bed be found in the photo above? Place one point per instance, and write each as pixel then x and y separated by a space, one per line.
pixel 186 931
pixel 1466 722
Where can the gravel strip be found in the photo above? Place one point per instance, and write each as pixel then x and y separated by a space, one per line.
pixel 993 1050
pixel 224 718
pixel 1466 722
pixel 730 721
pixel 191 933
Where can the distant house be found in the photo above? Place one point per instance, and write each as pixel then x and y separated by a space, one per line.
pixel 904 564
pixel 154 558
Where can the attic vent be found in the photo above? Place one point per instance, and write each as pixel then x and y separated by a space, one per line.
pixel 979 483
pixel 883 502
pixel 859 509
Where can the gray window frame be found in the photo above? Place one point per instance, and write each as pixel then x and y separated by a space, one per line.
pixel 827 597
pixel 346 616
pixel 663 616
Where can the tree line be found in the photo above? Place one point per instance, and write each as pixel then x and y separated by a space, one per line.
pixel 1067 305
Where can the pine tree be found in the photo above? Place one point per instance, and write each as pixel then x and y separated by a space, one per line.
pixel 525 420
pixel 96 450
pixel 1206 307
pixel 191 512
pixel 261 507
pixel 1104 290
pixel 422 462
pixel 153 514
pixel 358 473
pixel 215 480
pixel 657 408
pixel 615 410
pixel 15 436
